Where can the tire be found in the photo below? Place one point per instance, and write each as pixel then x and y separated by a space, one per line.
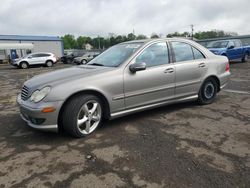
pixel 24 65
pixel 208 92
pixel 245 58
pixel 49 63
pixel 68 61
pixel 84 61
pixel 82 115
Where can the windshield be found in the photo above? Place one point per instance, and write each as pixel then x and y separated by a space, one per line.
pixel 116 55
pixel 217 44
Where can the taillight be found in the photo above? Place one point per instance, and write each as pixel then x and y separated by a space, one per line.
pixel 227 67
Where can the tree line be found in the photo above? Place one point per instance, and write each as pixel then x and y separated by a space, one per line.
pixel 71 42
pixel 204 34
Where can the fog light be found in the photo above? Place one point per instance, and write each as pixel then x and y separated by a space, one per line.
pixel 37 121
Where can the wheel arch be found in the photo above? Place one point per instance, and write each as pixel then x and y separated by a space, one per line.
pixel 85 92
pixel 84 60
pixel 215 78
pixel 24 61
pixel 49 60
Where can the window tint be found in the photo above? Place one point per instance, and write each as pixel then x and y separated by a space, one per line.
pixel 231 43
pixel 197 54
pixel 237 44
pixel 156 54
pixel 44 55
pixel 182 51
pixel 34 55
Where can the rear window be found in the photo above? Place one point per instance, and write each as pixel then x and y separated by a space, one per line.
pixel 197 54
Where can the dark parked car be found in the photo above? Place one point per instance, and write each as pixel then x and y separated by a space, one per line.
pixel 85 58
pixel 68 58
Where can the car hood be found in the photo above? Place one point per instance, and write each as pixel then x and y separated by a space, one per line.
pixel 64 75
pixel 78 58
pixel 216 49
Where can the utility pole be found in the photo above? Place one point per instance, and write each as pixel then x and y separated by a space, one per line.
pixel 99 46
pixel 192 31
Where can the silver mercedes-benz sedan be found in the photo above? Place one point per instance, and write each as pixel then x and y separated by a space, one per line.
pixel 127 78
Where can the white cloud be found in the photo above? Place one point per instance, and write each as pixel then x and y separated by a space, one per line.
pixel 100 17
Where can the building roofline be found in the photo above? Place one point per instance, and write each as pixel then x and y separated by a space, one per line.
pixel 30 38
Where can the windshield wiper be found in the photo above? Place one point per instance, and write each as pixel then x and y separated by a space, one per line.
pixel 97 64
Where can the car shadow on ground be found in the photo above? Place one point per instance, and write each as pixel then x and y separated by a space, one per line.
pixel 42 136
pixel 146 113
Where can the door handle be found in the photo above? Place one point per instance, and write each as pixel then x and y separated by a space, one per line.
pixel 202 65
pixel 169 70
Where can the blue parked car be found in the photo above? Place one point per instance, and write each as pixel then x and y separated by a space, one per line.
pixel 232 49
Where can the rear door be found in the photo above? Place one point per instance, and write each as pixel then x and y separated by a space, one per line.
pixel 43 58
pixel 156 83
pixel 190 67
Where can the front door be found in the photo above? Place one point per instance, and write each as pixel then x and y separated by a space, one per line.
pixel 156 83
pixel 34 59
pixel 231 52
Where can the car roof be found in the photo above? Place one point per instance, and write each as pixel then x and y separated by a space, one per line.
pixel 41 53
pixel 155 40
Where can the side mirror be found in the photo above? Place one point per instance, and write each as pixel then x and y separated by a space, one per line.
pixel 230 47
pixel 139 66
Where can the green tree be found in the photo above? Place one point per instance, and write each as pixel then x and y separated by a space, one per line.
pixel 154 36
pixel 81 41
pixel 131 36
pixel 69 41
pixel 204 34
pixel 139 37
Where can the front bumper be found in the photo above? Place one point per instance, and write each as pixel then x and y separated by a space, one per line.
pixel 14 63
pixel 35 118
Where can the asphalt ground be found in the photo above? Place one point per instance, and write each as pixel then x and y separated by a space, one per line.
pixel 181 145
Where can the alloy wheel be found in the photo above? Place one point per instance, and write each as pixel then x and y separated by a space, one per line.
pixel 89 117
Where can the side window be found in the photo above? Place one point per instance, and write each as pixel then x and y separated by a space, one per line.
pixel 44 55
pixel 156 54
pixel 231 43
pixel 197 54
pixel 237 44
pixel 32 56
pixel 39 55
pixel 182 51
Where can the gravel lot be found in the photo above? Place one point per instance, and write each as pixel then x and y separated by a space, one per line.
pixel 183 145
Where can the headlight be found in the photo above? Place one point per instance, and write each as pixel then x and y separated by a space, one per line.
pixel 38 95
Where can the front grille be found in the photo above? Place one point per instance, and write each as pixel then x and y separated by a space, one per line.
pixel 25 93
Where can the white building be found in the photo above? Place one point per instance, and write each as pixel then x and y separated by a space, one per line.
pixel 88 46
pixel 20 45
